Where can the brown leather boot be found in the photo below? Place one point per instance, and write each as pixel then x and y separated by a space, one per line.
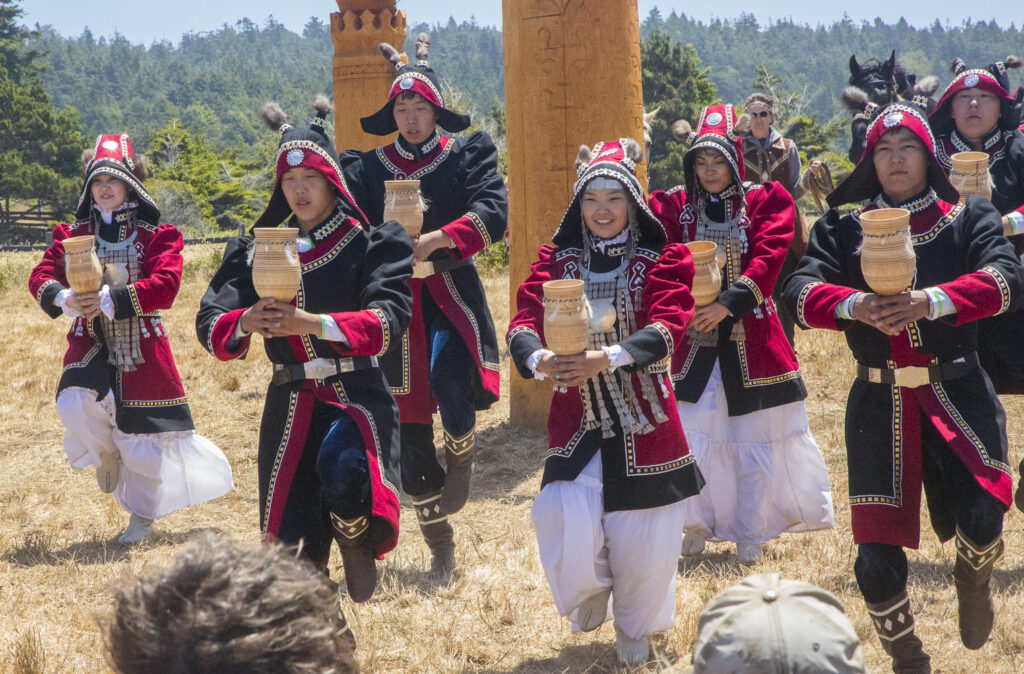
pixel 894 624
pixel 353 537
pixel 438 534
pixel 971 574
pixel 458 457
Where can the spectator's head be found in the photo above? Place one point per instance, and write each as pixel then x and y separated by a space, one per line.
pixel 761 109
pixel 227 609
pixel 766 623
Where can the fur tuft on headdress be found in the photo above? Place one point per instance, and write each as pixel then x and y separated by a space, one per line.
pixel 682 131
pixel 855 99
pixel 1013 62
pixel 633 149
pixel 927 86
pixel 743 124
pixel 140 169
pixel 273 116
pixel 86 158
pixel 322 105
pixel 582 158
pixel 422 47
pixel 957 65
pixel 391 54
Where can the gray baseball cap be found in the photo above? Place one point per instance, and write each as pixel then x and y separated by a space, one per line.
pixel 766 624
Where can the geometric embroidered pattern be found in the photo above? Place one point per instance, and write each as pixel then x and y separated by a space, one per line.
pixel 350 529
pixel 893 622
pixel 428 510
pixel 461 445
pixel 978 558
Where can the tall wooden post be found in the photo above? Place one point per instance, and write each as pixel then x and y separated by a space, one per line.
pixel 572 77
pixel 362 76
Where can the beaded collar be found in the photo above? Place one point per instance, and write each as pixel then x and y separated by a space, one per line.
pixel 915 205
pixel 964 145
pixel 424 148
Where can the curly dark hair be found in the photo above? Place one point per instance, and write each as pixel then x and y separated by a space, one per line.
pixel 227 609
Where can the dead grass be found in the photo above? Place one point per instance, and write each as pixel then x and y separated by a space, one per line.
pixel 59 561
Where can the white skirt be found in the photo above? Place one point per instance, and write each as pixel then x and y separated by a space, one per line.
pixel 585 550
pixel 764 472
pixel 159 472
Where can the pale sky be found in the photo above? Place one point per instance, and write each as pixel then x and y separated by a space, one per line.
pixel 146 21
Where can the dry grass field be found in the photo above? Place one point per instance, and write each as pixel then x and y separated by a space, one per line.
pixel 59 561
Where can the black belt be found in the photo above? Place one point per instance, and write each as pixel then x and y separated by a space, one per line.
pixel 320 368
pixel 912 377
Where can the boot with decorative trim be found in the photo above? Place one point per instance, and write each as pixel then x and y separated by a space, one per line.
pixel 894 624
pixel 971 575
pixel 438 534
pixel 353 537
pixel 458 457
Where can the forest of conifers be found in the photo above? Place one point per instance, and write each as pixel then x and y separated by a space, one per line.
pixel 202 95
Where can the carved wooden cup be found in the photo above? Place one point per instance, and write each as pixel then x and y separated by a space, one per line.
pixel 887 257
pixel 402 203
pixel 707 272
pixel 81 265
pixel 566 319
pixel 969 174
pixel 276 271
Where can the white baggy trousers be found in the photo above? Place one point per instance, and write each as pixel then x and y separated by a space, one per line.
pixel 159 472
pixel 585 551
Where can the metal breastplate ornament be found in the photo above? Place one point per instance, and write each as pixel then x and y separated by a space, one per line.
pixel 120 263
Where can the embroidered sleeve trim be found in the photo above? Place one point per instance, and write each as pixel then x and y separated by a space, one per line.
pixel 1004 287
pixel 670 343
pixel 749 282
pixel 802 303
pixel 135 300
pixel 385 330
pixel 518 330
pixel 479 224
pixel 39 291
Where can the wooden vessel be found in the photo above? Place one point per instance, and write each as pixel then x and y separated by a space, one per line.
pixel 707 272
pixel 402 203
pixel 81 265
pixel 566 320
pixel 887 257
pixel 969 174
pixel 276 271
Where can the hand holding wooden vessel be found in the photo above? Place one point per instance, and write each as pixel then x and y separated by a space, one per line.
pixel 276 271
pixel 887 257
pixel 81 265
pixel 402 203
pixel 566 319
pixel 707 272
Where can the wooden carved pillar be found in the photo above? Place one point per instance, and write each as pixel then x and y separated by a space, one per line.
pixel 572 77
pixel 362 76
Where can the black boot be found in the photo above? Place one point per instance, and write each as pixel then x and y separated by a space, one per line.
pixel 458 457
pixel 971 575
pixel 894 624
pixel 353 537
pixel 438 534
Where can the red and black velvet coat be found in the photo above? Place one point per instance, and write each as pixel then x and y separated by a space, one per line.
pixel 960 249
pixel 466 199
pixel 358 278
pixel 639 470
pixel 1005 151
pixel 150 399
pixel 760 371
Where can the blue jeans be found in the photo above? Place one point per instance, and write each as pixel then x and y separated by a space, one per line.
pixel 452 369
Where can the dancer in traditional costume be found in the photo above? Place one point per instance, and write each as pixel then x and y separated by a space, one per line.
pixel 736 377
pixel 921 410
pixel 769 156
pixel 608 517
pixel 448 360
pixel 120 397
pixel 329 433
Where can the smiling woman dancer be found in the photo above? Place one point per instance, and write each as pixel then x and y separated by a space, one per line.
pixel 736 376
pixel 921 410
pixel 120 397
pixel 608 517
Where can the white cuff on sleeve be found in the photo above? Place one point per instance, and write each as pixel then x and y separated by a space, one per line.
pixel 1016 222
pixel 106 302
pixel 534 359
pixel 63 300
pixel 939 303
pixel 332 333
pixel 844 309
pixel 617 356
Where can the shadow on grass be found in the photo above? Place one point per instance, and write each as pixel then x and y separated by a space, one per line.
pixel 42 549
pixel 506 456
pixel 937 574
pixel 592 658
